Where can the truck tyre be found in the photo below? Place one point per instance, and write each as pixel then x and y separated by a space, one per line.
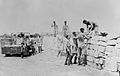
pixel 7 55
pixel 28 54
pixel 22 56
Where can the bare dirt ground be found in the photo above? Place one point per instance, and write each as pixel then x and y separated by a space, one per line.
pixel 46 64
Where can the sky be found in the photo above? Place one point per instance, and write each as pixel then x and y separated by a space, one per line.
pixel 38 15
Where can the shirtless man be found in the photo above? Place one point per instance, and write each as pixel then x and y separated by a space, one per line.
pixel 82 57
pixel 74 48
pixel 68 50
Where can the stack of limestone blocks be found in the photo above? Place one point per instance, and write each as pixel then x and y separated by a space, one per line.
pixel 111 54
pixel 96 52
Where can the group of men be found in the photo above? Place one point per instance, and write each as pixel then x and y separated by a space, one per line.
pixel 31 44
pixel 77 42
pixel 76 48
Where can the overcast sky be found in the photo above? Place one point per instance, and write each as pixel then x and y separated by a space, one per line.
pixel 37 15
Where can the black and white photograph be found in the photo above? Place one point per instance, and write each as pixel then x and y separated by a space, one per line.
pixel 59 37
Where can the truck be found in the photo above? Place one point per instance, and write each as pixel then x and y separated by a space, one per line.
pixel 8 48
pixel 23 44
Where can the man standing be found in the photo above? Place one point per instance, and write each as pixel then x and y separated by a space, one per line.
pixel 82 53
pixel 68 50
pixel 40 44
pixel 65 29
pixel 55 28
pixel 88 25
pixel 74 48
pixel 65 32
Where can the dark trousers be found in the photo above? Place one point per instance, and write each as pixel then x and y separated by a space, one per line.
pixel 67 61
pixel 119 73
pixel 40 49
pixel 68 57
pixel 75 58
pixel 79 56
pixel 85 59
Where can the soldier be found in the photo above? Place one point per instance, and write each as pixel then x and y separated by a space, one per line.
pixel 74 48
pixel 82 56
pixel 68 50
pixel 95 27
pixel 91 26
pixel 59 44
pixel 27 43
pixel 55 28
pixel 32 44
pixel 23 45
pixel 88 24
pixel 65 29
pixel 40 44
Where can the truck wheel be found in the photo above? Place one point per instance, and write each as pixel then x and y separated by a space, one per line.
pixel 22 56
pixel 28 54
pixel 7 55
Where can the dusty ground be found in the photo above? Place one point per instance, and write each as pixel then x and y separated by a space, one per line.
pixel 46 64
